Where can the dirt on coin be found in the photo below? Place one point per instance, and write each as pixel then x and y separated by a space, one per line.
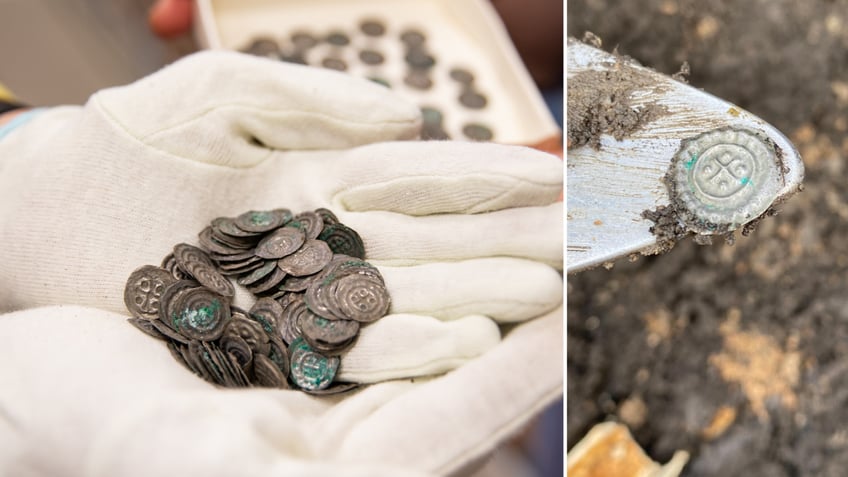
pixel 737 354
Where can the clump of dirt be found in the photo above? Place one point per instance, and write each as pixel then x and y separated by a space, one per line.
pixel 600 102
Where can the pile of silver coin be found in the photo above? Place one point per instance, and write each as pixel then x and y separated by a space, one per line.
pixel 314 289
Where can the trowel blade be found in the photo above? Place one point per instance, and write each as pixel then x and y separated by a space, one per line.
pixel 697 153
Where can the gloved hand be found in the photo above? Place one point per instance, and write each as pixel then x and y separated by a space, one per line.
pixel 461 232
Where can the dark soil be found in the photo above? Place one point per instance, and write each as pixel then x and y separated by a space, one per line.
pixel 738 354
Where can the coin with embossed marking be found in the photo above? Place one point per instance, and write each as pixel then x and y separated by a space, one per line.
pixel 170 263
pixel 309 369
pixel 309 259
pixel 250 331
pixel 201 314
pixel 268 313
pixel 311 223
pixel 228 227
pixel 237 347
pixel 328 332
pixel 723 179
pixel 327 216
pixel 343 240
pixel 260 220
pixel 268 283
pixel 144 290
pixel 197 263
pixel 361 298
pixel 298 284
pixel 209 243
pixel 281 242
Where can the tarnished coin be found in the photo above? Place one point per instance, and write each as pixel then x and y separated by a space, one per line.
pixel 327 216
pixel 267 374
pixel 197 263
pixel 147 327
pixel 237 347
pixel 169 332
pixel 329 333
pixel 303 40
pixel 279 356
pixel 263 46
pixel 310 222
pixel 412 38
pixel 210 244
pixel 228 227
pixel 298 284
pixel 170 263
pixel 343 240
pixel 251 332
pixel 311 258
pixel 293 313
pixel 268 283
pixel 418 80
pixel 477 132
pixel 238 371
pixel 461 75
pixel 203 362
pixel 283 241
pixel 309 369
pixel 268 313
pixel 360 297
pixel 201 314
pixel 371 57
pixel 244 257
pixel 337 388
pixel 472 99
pixel 241 269
pixel 258 274
pixel 191 356
pixel 419 59
pixel 144 290
pixel 372 27
pixel 260 220
pixel 174 348
pixel 337 38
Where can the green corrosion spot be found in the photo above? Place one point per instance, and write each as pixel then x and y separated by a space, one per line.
pixel 201 318
pixel 746 181
pixel 262 321
pixel 260 218
pixel 691 161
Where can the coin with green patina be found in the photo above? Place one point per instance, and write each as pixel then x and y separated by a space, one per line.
pixel 311 223
pixel 328 336
pixel 260 220
pixel 343 240
pixel 144 289
pixel 309 369
pixel 268 313
pixel 201 314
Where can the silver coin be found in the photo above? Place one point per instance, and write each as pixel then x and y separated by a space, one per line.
pixel 169 332
pixel 201 314
pixel 268 313
pixel 251 332
pixel 343 240
pixel 170 263
pixel 197 263
pixel 327 216
pixel 311 223
pixel 310 258
pixel 144 290
pixel 237 347
pixel 328 332
pixel 259 220
pixel 362 298
pixel 268 283
pixel 298 284
pixel 228 228
pixel 258 273
pixel 309 369
pixel 283 241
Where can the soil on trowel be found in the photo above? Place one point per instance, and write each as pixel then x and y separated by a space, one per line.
pixel 599 102
pixel 737 354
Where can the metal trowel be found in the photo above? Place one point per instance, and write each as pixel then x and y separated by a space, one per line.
pixel 651 160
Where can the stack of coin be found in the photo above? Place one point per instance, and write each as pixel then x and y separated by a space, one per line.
pixel 315 288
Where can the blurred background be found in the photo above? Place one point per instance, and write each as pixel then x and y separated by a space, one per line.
pixel 737 354
pixel 61 51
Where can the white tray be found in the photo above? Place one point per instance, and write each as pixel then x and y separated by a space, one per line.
pixel 460 33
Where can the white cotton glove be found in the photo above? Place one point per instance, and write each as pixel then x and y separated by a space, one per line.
pixel 459 230
pixel 464 234
pixel 83 393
